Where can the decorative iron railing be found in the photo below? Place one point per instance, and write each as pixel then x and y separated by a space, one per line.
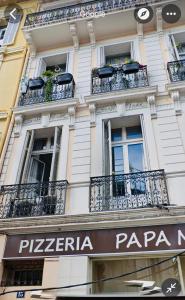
pixel 59 92
pixel 128 191
pixel 119 80
pixel 33 199
pixel 176 70
pixel 80 10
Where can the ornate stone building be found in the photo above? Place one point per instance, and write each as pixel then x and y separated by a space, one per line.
pixel 93 179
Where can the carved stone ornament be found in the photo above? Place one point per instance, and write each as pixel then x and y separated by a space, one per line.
pixel 92 109
pixel 177 104
pixel 152 103
pixel 106 109
pixel 121 108
pixel 73 30
pixel 18 125
pixel 71 112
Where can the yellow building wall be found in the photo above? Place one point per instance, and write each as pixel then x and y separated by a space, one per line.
pixel 12 60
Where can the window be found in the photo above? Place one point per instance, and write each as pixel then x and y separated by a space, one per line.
pixel 124 154
pixel 178 45
pixel 116 55
pixel 22 273
pixel 112 267
pixel 57 63
pixel 40 156
pixel 8 32
pixel 127 150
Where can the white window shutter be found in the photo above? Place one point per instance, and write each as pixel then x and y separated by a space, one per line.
pixel 56 149
pixel 27 157
pixel 11 32
pixel 100 56
pixel 107 149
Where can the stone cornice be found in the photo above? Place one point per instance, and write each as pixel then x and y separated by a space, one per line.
pixel 54 106
pixel 130 218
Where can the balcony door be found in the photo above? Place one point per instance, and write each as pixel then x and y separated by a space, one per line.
pixel 124 157
pixel 40 156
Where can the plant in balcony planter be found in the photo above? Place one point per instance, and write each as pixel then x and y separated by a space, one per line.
pixel 105 71
pixel 49 81
pixel 131 66
pixel 35 83
pixel 64 78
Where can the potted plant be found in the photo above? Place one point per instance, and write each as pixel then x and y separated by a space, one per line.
pixel 130 66
pixel 35 83
pixel 64 78
pixel 49 81
pixel 105 71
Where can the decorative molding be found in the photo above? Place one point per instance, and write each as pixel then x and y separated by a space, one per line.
pixel 35 120
pixel 121 108
pixel 71 112
pixel 92 109
pixel 55 117
pixel 135 105
pixel 73 30
pixel 177 105
pixel 45 120
pixel 106 109
pixel 29 40
pixel 90 28
pixel 18 125
pixel 152 103
pixel 159 21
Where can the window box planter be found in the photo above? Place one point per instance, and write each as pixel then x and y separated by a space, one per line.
pixel 65 78
pixel 105 72
pixel 131 68
pixel 36 84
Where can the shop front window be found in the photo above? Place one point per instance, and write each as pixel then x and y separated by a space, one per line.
pixel 124 285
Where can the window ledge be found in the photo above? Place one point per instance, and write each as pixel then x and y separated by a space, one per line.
pixel 46 107
pixel 129 94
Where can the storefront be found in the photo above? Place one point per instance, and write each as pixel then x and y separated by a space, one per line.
pixel 109 253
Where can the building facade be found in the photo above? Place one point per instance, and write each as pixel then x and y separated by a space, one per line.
pixel 93 177
pixel 13 54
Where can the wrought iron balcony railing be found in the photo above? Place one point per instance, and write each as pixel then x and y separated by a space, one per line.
pixel 80 10
pixel 119 80
pixel 59 92
pixel 176 70
pixel 128 191
pixel 33 199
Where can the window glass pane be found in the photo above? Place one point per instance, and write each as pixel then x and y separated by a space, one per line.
pixel 134 132
pixel 110 268
pixel 117 159
pixel 116 134
pixel 118 59
pixel 135 154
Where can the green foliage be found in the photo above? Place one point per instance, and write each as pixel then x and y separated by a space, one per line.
pixel 128 60
pixel 49 84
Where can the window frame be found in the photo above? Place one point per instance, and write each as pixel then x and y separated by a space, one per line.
pixel 124 143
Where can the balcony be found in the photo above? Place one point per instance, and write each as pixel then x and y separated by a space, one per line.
pixel 33 199
pixel 62 24
pixel 119 81
pixel 59 92
pixel 176 70
pixel 128 191
pixel 77 11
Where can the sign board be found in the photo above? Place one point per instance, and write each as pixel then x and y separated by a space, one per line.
pixel 20 294
pixel 117 240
